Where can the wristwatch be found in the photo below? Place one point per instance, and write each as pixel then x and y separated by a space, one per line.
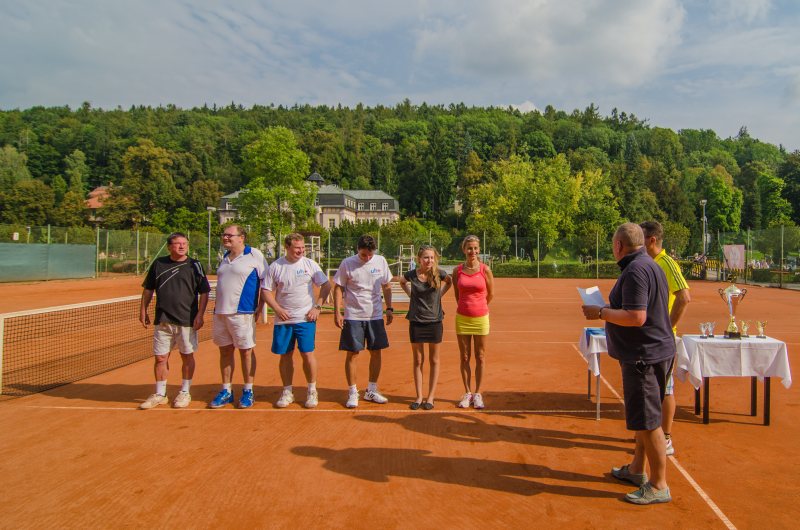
pixel 390 308
pixel 600 313
pixel 317 306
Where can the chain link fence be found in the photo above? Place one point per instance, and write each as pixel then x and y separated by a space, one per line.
pixel 765 257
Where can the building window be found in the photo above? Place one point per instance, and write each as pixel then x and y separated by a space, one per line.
pixel 360 206
pixel 373 207
pixel 316 201
pixel 385 206
pixel 331 223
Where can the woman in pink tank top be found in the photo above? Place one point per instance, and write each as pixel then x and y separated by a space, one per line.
pixel 472 285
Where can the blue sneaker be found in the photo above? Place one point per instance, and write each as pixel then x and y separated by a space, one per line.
pixel 246 400
pixel 223 398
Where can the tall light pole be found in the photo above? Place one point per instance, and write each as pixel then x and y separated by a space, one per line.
pixel 703 203
pixel 210 209
pixel 516 248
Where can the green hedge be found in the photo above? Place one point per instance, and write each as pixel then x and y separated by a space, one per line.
pixel 521 269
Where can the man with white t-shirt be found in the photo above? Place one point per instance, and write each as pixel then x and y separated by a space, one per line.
pixel 360 280
pixel 288 289
pixel 238 304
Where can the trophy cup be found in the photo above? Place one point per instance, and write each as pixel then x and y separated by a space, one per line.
pixel 745 325
pixel 703 330
pixel 732 296
pixel 760 325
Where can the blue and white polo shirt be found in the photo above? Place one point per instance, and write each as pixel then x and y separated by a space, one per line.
pixel 238 282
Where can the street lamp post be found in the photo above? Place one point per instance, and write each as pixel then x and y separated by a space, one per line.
pixel 210 209
pixel 516 247
pixel 703 203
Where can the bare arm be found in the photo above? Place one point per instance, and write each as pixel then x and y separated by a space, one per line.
pixel 455 285
pixel 338 319
pixel 620 317
pixel 147 296
pixel 387 297
pixel 269 297
pixel 489 285
pixel 313 313
pixel 682 299
pixel 199 320
pixel 447 283
pixel 404 285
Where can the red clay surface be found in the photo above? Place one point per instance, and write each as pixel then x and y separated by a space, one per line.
pixel 83 456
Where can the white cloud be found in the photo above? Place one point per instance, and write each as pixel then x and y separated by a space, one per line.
pixel 746 11
pixel 557 44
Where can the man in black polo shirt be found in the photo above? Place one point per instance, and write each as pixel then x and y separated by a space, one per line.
pixel 639 336
pixel 177 281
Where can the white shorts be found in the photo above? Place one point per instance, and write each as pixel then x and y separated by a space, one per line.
pixel 238 329
pixel 167 336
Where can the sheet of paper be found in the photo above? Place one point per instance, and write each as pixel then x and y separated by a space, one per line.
pixel 592 296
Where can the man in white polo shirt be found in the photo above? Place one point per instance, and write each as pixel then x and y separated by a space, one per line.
pixel 238 304
pixel 289 291
pixel 360 280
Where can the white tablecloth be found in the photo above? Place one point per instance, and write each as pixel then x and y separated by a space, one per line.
pixel 719 357
pixel 592 344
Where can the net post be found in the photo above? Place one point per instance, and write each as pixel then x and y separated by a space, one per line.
pixel 2 337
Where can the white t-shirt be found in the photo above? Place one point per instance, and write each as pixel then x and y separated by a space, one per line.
pixel 238 282
pixel 362 284
pixel 293 286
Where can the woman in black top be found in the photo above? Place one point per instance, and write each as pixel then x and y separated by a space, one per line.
pixel 425 287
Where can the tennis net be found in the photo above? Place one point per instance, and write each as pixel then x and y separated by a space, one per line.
pixel 45 348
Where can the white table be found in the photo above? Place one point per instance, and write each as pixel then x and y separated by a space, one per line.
pixel 591 344
pixel 699 359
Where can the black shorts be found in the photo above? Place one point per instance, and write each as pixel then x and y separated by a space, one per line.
pixel 363 334
pixel 425 332
pixel 643 386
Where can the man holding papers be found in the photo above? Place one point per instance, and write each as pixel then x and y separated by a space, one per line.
pixel 639 336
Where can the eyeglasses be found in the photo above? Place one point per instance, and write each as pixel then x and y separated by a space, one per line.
pixel 228 236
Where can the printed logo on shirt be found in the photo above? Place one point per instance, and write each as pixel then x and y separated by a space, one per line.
pixel 302 272
pixel 375 271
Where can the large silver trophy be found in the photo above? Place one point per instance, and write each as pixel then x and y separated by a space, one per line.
pixel 732 296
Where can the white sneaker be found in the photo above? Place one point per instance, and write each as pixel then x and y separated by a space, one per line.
pixel 312 400
pixel 287 398
pixel 670 447
pixel 153 401
pixel 352 400
pixel 375 396
pixel 182 400
pixel 477 401
pixel 466 401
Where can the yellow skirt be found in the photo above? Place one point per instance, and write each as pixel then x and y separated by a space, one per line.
pixel 472 325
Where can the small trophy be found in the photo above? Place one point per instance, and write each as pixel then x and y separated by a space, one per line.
pixel 732 296
pixel 744 325
pixel 703 330
pixel 710 328
pixel 760 325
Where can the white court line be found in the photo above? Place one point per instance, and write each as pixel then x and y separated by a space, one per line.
pixel 703 495
pixel 319 410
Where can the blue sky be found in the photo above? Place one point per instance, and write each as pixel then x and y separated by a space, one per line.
pixel 713 64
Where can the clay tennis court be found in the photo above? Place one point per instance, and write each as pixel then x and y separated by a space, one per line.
pixel 82 455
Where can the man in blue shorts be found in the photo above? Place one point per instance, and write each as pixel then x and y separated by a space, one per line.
pixel 359 281
pixel 640 337
pixel 679 298
pixel 177 280
pixel 288 289
pixel 238 304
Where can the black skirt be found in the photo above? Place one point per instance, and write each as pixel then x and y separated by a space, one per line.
pixel 425 332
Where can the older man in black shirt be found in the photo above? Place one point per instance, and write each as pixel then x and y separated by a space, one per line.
pixel 640 337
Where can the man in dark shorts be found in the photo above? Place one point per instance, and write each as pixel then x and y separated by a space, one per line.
pixel 639 336
pixel 360 280
pixel 177 280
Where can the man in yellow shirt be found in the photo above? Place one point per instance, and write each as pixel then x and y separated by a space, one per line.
pixel 678 300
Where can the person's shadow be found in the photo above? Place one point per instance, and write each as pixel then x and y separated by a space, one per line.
pixel 461 427
pixel 378 464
